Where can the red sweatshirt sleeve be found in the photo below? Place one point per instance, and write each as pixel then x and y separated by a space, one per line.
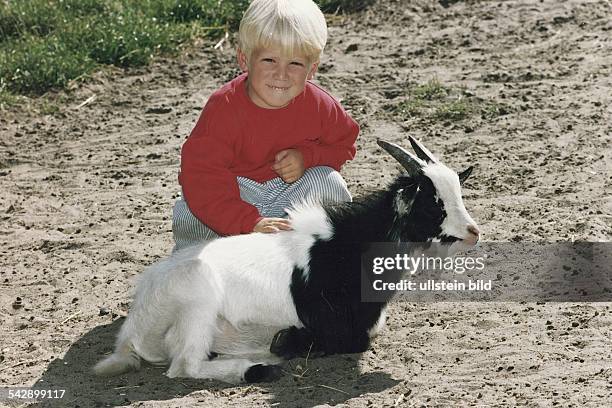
pixel 209 187
pixel 336 144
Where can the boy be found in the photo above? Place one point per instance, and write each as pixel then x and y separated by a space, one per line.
pixel 269 137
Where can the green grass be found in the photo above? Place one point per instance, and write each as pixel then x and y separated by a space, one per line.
pixel 453 110
pixel 45 44
pixel 431 90
pixel 7 100
pixel 434 102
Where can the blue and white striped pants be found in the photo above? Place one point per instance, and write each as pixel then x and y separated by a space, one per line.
pixel 321 183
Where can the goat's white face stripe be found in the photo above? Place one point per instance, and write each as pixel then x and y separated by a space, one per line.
pixel 448 188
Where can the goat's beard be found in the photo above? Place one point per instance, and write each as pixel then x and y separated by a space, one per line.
pixel 458 246
pixel 437 249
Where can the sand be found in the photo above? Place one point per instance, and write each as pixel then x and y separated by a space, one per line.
pixel 88 179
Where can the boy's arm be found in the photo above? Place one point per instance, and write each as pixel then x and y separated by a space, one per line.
pixel 336 145
pixel 209 187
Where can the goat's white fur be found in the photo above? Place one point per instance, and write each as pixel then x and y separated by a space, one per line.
pixel 228 296
pixel 446 182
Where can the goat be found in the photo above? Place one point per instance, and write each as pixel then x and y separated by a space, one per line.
pixel 251 299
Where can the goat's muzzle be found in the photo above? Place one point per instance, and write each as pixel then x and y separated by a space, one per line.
pixel 473 235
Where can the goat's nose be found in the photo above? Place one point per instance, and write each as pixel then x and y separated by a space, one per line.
pixel 473 230
pixel 474 234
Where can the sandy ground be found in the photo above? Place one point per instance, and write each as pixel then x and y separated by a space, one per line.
pixel 87 192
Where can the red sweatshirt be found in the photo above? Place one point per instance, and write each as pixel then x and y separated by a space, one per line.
pixel 234 137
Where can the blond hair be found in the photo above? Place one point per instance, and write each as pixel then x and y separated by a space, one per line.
pixel 295 26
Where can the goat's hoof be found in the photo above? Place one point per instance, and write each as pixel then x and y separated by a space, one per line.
pixel 314 354
pixel 282 344
pixel 262 373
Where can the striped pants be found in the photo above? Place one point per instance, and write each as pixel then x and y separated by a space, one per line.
pixel 321 183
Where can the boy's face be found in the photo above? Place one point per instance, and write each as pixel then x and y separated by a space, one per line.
pixel 274 80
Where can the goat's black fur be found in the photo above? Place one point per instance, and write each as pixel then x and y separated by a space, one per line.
pixel 328 302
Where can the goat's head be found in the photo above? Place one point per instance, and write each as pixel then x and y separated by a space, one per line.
pixel 428 205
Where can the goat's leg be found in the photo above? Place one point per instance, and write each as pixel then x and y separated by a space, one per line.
pixel 293 342
pixel 237 370
pixel 189 340
pixel 329 329
pixel 249 341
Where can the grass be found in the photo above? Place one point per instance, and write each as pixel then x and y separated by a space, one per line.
pixel 431 90
pixel 434 102
pixel 8 100
pixel 453 110
pixel 46 44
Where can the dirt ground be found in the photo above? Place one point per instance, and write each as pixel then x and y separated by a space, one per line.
pixel 87 191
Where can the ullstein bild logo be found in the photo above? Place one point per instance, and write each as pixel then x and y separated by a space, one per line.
pixel 501 271
pixel 431 285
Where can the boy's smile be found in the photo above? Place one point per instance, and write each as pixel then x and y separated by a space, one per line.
pixel 274 79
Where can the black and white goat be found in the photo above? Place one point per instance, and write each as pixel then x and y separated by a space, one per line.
pixel 290 293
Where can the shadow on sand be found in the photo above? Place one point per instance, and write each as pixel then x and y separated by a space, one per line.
pixel 329 380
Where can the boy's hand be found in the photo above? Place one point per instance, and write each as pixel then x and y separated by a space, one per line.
pixel 268 225
pixel 289 165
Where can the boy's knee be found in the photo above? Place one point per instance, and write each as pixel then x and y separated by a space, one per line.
pixel 327 184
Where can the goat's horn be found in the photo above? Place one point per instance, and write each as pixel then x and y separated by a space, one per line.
pixel 422 151
pixel 412 164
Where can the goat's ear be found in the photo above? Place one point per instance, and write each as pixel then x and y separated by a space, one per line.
pixel 421 151
pixel 408 161
pixel 465 174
